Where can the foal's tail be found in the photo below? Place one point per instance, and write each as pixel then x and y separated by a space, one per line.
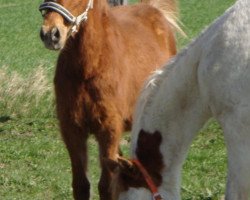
pixel 170 10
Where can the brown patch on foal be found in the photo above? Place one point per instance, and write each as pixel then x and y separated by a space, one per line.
pixel 148 153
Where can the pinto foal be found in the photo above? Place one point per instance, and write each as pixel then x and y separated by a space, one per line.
pixel 210 78
pixel 105 56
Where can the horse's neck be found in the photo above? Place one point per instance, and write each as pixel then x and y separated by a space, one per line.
pixel 88 43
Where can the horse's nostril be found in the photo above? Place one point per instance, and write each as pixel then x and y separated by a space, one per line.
pixel 51 38
pixel 55 34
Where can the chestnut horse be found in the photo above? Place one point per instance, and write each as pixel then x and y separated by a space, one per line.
pixel 105 56
pixel 210 78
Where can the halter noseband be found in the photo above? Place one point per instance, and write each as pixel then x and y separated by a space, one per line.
pixel 75 21
pixel 149 181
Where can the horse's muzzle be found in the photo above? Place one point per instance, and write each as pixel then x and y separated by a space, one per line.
pixel 51 38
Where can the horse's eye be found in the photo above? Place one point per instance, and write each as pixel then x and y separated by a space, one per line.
pixel 44 12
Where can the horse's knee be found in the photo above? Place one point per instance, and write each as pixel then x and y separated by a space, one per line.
pixel 109 146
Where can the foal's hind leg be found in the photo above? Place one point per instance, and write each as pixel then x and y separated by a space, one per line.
pixel 109 148
pixel 75 141
pixel 237 134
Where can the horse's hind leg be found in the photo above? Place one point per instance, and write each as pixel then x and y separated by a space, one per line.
pixel 75 141
pixel 109 148
pixel 237 135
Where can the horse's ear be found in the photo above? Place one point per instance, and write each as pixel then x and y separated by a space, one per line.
pixel 110 164
pixel 121 163
pixel 124 163
pixel 126 172
pixel 130 175
pixel 128 168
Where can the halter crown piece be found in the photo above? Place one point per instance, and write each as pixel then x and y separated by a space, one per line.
pixel 75 21
pixel 155 193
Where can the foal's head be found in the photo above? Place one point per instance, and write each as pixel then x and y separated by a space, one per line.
pixel 139 178
pixel 128 183
pixel 61 19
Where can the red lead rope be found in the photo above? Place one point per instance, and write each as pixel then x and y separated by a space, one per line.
pixel 148 179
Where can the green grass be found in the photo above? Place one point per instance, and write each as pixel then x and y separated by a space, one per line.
pixel 33 161
pixel 21 49
pixel 197 14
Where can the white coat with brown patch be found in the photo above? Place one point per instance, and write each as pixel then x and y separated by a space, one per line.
pixel 210 78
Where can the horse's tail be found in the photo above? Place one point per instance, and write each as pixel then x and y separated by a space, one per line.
pixel 170 10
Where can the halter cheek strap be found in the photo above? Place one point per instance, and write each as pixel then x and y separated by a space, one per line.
pixel 75 21
pixel 149 181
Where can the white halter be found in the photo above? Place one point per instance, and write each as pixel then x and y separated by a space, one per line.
pixel 75 21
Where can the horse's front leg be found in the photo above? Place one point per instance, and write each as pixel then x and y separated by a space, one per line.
pixel 76 142
pixel 108 141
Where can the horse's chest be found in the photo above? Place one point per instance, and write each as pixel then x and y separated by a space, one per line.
pixel 88 105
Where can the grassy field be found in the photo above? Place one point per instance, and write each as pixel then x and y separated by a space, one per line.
pixel 33 161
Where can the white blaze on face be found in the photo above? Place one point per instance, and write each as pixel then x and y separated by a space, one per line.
pixel 136 194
